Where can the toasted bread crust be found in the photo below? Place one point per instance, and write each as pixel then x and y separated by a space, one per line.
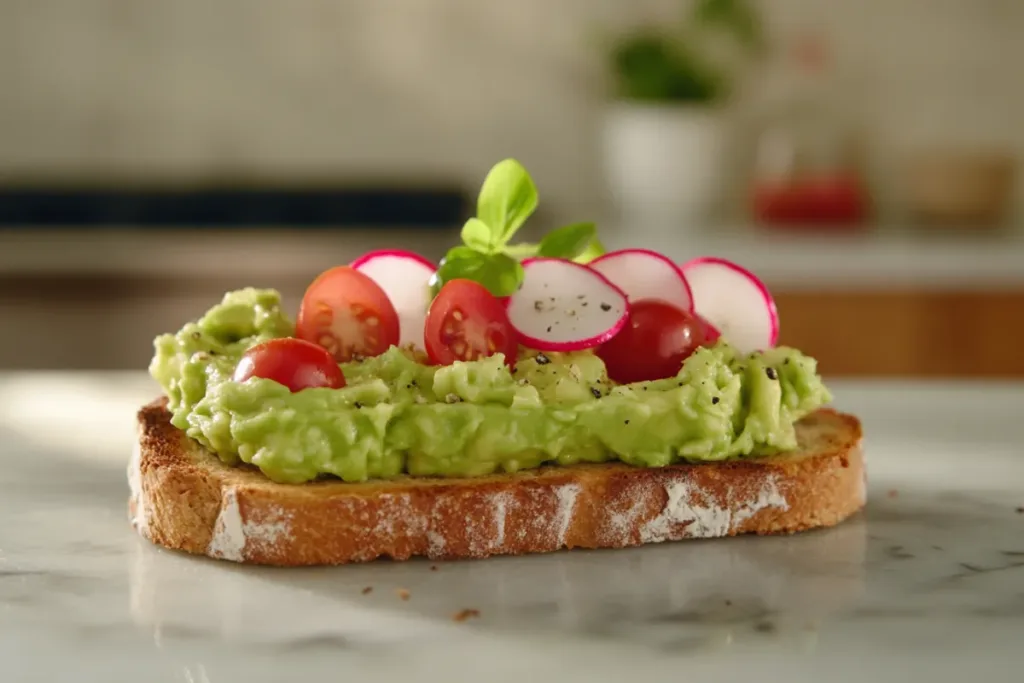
pixel 185 498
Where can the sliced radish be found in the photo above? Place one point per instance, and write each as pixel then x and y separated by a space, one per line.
pixel 733 300
pixel 565 306
pixel 405 278
pixel 645 274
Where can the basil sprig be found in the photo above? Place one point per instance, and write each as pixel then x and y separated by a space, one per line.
pixel 507 199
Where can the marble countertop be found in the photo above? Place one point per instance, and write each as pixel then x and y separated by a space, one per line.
pixel 927 584
pixel 882 258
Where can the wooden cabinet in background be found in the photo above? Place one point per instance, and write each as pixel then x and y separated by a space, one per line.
pixel 907 333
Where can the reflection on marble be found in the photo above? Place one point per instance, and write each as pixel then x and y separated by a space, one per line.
pixel 928 583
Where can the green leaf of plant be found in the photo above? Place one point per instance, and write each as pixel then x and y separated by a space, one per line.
pixel 499 273
pixel 522 250
pixel 507 198
pixel 567 242
pixel 502 275
pixel 593 250
pixel 477 235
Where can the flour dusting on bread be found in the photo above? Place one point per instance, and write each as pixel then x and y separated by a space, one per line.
pixel 692 513
pixel 232 534
pixel 140 512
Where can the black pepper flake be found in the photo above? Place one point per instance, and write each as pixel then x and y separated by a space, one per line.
pixel 596 392
pixel 714 400
pixel 212 353
pixel 582 296
pixel 538 305
pixel 682 383
pixel 1020 510
pixel 626 422
pixel 549 328
pixel 358 404
pixel 541 359
pixel 785 362
pixel 771 373
pixel 197 336
pixel 606 307
pixel 584 304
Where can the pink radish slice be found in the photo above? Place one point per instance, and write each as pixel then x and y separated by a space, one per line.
pixel 405 278
pixel 565 306
pixel 733 300
pixel 645 274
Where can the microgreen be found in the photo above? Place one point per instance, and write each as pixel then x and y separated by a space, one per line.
pixel 507 199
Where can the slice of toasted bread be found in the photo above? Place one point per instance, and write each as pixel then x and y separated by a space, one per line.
pixel 183 497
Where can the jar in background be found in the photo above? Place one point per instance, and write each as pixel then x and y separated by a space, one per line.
pixel 806 172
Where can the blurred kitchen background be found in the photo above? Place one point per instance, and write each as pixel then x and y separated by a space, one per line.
pixel 860 156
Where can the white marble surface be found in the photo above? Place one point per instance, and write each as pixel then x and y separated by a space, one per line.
pixel 928 584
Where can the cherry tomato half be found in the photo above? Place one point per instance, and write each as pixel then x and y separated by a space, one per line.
pixel 295 363
pixel 654 342
pixel 466 322
pixel 348 314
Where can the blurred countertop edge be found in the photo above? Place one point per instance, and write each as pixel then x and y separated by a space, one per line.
pixel 870 260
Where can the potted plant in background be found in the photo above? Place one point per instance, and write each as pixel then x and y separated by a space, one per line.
pixel 664 135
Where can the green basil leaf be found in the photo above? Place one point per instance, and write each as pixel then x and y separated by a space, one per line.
pixel 499 273
pixel 502 275
pixel 522 250
pixel 459 262
pixel 507 198
pixel 593 250
pixel 477 235
pixel 567 242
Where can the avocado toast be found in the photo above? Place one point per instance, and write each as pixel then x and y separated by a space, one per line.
pixel 511 399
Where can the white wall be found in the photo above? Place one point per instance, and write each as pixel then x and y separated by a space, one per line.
pixel 444 87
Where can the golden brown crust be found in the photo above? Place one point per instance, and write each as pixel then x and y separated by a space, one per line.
pixel 184 498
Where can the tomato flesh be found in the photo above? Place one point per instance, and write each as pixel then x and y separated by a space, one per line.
pixel 654 342
pixel 466 322
pixel 348 314
pixel 295 363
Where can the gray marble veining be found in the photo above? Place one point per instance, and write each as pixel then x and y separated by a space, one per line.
pixel 928 583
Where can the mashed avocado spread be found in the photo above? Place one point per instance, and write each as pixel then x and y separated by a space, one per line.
pixel 400 416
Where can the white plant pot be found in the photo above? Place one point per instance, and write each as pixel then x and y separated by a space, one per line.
pixel 664 165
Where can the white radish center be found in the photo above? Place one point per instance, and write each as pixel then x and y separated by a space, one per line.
pixel 564 304
pixel 406 282
pixel 645 276
pixel 734 304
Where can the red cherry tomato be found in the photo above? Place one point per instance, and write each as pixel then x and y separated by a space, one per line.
pixel 466 322
pixel 654 342
pixel 348 314
pixel 295 363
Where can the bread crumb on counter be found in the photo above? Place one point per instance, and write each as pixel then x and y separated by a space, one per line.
pixel 403 593
pixel 367 590
pixel 462 615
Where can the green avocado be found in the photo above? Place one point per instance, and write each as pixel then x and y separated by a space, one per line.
pixel 398 416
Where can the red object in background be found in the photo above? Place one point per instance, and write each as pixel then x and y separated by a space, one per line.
pixel 823 201
pixel 806 173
